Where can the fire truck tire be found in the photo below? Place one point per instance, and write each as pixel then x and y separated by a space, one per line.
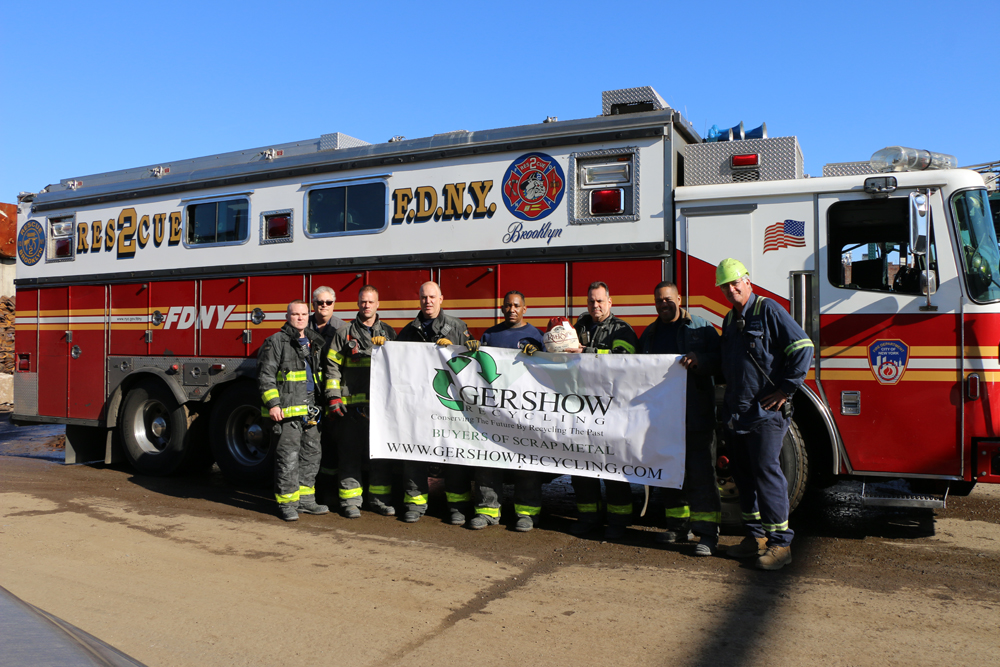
pixel 794 463
pixel 155 429
pixel 241 438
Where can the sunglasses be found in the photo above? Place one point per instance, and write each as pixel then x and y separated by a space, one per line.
pixel 324 303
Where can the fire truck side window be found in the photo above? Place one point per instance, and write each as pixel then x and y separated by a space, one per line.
pixel 869 247
pixel 349 209
pixel 218 222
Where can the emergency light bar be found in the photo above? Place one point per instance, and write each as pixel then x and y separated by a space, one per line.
pixel 900 158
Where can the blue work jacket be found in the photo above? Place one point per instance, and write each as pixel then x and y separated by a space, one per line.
pixel 763 350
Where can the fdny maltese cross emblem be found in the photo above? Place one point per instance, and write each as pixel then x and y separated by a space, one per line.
pixel 533 186
pixel 887 359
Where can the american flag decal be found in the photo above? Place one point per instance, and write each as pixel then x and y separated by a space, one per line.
pixel 787 234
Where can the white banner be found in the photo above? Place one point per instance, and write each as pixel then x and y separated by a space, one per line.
pixel 613 416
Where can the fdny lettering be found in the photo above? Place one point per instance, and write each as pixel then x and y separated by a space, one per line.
pixel 184 317
pixel 422 204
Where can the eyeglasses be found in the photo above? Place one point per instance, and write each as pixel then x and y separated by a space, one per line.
pixel 324 303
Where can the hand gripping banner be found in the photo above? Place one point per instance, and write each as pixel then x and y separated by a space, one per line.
pixel 612 416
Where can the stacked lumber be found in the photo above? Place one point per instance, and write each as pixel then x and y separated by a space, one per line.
pixel 7 308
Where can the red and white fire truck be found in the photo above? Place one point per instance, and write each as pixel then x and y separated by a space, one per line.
pixel 143 295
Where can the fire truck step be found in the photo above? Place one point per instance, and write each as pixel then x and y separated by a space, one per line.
pixel 881 497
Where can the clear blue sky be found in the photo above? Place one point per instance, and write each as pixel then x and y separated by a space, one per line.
pixel 97 86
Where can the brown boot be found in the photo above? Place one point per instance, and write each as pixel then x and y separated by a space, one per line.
pixel 750 547
pixel 775 558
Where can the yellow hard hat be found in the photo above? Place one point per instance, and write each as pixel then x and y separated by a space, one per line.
pixel 729 270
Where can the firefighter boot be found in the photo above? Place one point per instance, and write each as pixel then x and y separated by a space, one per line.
pixel 288 511
pixel 307 505
pixel 673 536
pixel 775 558
pixel 525 523
pixel 750 547
pixel 707 546
pixel 480 521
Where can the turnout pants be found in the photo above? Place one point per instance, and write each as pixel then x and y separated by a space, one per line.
pixel 351 435
pixel 588 500
pixel 755 462
pixel 696 506
pixel 527 493
pixel 296 463
pixel 415 486
pixel 489 489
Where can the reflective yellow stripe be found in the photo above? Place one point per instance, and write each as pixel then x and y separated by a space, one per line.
pixel 379 490
pixel 760 302
pixel 775 527
pixel 290 411
pixel 335 357
pixel 270 394
pixel 586 508
pixel 678 512
pixel 489 511
pixel 415 500
pixel 349 493
pixel 283 498
pixel 798 345
pixel 316 379
pixel 620 509
pixel 307 491
pixel 620 343
pixel 707 517
pixel 527 510
pixel 291 376
pixel 459 497
pixel 751 517
pixel 604 352
pixel 363 362
pixel 333 384
pixel 355 398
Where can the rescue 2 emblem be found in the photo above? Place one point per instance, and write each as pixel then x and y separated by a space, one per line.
pixel 533 186
pixel 887 359
pixel 31 243
pixel 443 379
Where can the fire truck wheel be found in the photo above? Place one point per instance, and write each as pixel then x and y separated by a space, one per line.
pixel 241 438
pixel 794 463
pixel 154 429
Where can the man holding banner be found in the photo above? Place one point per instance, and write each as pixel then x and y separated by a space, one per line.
pixel 514 333
pixel 601 332
pixel 697 506
pixel 433 326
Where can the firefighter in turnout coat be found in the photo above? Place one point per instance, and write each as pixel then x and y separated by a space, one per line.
pixel 288 378
pixel 347 373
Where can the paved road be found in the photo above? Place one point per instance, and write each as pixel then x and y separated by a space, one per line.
pixel 192 571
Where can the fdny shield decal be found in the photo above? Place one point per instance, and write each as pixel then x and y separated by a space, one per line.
pixel 533 186
pixel 887 359
pixel 31 243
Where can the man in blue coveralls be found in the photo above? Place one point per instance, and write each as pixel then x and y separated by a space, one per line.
pixel 514 332
pixel 765 358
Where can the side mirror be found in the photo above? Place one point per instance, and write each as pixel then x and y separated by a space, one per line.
pixel 928 283
pixel 920 218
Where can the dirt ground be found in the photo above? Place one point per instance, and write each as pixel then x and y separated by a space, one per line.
pixel 192 571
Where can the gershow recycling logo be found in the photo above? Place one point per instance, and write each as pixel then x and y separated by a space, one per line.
pixel 443 378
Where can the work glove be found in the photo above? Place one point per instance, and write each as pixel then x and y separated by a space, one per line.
pixel 336 408
pixel 529 349
pixel 444 341
pixel 472 345
pixel 378 340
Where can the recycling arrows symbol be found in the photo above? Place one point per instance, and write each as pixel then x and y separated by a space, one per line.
pixel 443 379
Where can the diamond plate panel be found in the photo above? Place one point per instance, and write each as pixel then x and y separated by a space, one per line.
pixel 338 140
pixel 848 169
pixel 26 394
pixel 708 164
pixel 630 96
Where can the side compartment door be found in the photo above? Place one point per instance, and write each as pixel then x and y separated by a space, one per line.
pixel 87 352
pixel 53 351
pixel 631 285
pixel 129 320
pixel 543 286
pixel 267 301
pixel 26 347
pixel 171 318
pixel 470 294
pixel 398 294
pixel 222 317
pixel 890 369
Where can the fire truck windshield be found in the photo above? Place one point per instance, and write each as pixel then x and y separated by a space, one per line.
pixel 980 253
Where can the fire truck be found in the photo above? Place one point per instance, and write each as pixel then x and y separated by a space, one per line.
pixel 143 295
